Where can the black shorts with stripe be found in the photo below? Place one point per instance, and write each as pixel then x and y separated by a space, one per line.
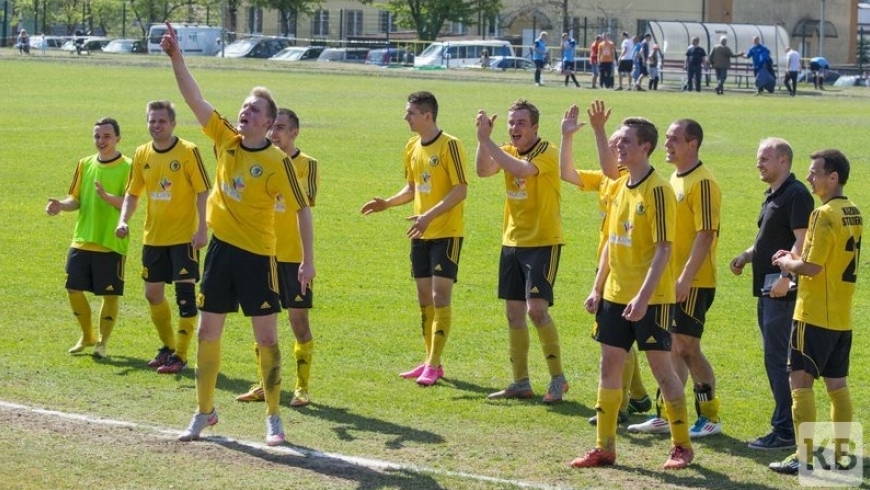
pixel 650 332
pixel 292 295
pixel 528 272
pixel 437 257
pixel 170 263
pixel 101 273
pixel 234 277
pixel 691 315
pixel 819 351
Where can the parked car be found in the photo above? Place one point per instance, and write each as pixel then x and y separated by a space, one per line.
pixel 299 53
pixel 512 63
pixel 85 44
pixel 344 55
pixel 255 47
pixel 852 81
pixel 389 56
pixel 125 46
pixel 51 42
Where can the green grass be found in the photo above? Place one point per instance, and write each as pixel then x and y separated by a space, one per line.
pixel 366 321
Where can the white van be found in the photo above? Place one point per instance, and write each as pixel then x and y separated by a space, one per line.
pixel 457 54
pixel 194 40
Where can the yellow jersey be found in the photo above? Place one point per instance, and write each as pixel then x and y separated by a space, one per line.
pixel 287 224
pixel 833 241
pixel 699 205
pixel 171 180
pixel 532 212
pixel 641 215
pixel 595 180
pixel 434 169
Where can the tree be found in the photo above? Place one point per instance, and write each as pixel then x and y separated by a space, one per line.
pixel 428 17
pixel 289 11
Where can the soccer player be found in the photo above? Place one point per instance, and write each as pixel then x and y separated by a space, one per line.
pixel 169 170
pixel 699 201
pixel 605 182
pixel 531 241
pixel 96 256
pixel 633 295
pixel 283 134
pixel 436 183
pixel 821 336
pixel 240 266
pixel 782 225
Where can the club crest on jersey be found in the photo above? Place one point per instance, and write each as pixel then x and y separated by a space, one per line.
pixel 175 165
pixel 164 194
pixel 234 190
pixel 280 205
pixel 426 184
pixel 433 161
pixel 165 184
pixel 640 209
pixel 520 192
pixel 256 170
pixel 627 226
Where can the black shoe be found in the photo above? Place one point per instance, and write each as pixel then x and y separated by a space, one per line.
pixel 639 405
pixel 772 441
pixel 789 466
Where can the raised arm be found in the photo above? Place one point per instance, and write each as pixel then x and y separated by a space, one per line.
pixel 566 148
pixel 598 115
pixel 186 83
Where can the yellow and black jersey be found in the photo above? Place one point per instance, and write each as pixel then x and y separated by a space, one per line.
pixel 171 180
pixel 595 180
pixel 287 224
pixel 532 213
pixel 433 169
pixel 833 241
pixel 699 205
pixel 641 215
pixel 241 209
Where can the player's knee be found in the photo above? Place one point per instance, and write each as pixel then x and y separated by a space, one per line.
pixel 185 297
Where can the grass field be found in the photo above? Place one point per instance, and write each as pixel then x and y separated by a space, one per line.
pixel 366 320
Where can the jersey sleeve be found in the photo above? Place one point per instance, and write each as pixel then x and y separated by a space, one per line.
pixel 663 214
pixel 75 187
pixel 456 162
pixel 819 239
pixel 706 203
pixel 196 172
pixel 590 180
pixel 136 182
pixel 285 183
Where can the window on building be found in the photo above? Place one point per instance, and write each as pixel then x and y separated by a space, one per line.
pixel 320 23
pixel 386 21
pixel 353 22
pixel 255 20
pixel 458 28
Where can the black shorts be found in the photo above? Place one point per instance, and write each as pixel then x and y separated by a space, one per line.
pixel 625 66
pixel 815 67
pixel 170 263
pixel 528 272
pixel 292 295
pixel 820 351
pixel 101 273
pixel 643 70
pixel 438 257
pixel 650 332
pixel 691 315
pixel 232 277
pixel 568 65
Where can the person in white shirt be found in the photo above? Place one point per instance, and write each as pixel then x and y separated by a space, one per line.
pixel 794 67
pixel 625 61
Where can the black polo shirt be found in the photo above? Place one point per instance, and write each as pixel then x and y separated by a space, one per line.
pixel 785 210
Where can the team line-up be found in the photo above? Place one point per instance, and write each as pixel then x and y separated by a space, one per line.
pixel 656 276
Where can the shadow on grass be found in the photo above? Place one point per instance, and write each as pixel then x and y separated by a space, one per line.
pixel 347 423
pixel 706 478
pixel 367 478
pixel 477 392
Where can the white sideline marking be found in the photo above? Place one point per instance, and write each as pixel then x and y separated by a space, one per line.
pixel 290 450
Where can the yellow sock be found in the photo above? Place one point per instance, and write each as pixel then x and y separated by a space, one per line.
pixel 803 408
pixel 607 410
pixel 638 390
pixel 841 411
pixel 82 311
pixel 270 366
pixel 440 331
pixel 627 375
pixel 303 354
pixel 427 318
pixel 678 419
pixel 710 409
pixel 186 326
pixel 208 365
pixel 518 339
pixel 549 337
pixel 108 316
pixel 161 315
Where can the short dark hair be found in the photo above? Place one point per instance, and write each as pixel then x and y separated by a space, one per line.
pixel 645 129
pixel 692 129
pixel 110 121
pixel 157 105
pixel 426 102
pixel 525 105
pixel 294 119
pixel 835 161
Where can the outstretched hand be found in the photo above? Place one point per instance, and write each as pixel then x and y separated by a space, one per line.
pixel 598 114
pixel 570 123
pixel 484 125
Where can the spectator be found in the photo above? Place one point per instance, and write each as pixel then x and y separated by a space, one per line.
pixel 569 48
pixel 819 68
pixel 656 57
pixel 485 61
pixel 720 59
pixel 593 59
pixel 539 56
pixel 762 65
pixel 794 67
pixel 23 42
pixel 606 55
pixel 696 58
pixel 625 62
